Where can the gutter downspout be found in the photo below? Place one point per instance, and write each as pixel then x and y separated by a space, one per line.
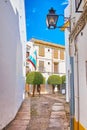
pixel 72 102
pixel 78 88
pixel 72 94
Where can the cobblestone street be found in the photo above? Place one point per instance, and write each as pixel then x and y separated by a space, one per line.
pixel 49 112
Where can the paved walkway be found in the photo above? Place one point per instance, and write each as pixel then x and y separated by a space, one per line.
pixel 56 120
pixel 57 117
pixel 22 118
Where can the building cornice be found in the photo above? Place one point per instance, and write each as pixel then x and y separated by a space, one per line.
pixel 80 24
pixel 49 44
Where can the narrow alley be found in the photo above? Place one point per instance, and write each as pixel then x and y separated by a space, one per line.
pixel 47 112
pixel 43 65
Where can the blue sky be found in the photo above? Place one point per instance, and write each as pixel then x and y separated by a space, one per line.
pixel 35 13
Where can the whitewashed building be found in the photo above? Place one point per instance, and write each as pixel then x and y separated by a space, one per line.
pixel 50 58
pixel 12 58
pixel 67 33
pixel 29 51
pixel 78 51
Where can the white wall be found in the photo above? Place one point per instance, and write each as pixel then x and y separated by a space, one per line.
pixel 47 58
pixel 62 69
pixel 75 16
pixel 82 58
pixel 49 68
pixel 48 54
pixel 80 77
pixel 67 59
pixel 12 76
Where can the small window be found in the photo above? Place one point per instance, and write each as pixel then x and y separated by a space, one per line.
pixel 41 66
pixel 55 67
pixel 55 53
pixel 62 54
pixel 48 50
pixel 48 63
pixel 41 51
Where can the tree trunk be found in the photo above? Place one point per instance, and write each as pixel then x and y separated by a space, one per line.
pixel 38 89
pixel 53 87
pixel 27 89
pixel 34 86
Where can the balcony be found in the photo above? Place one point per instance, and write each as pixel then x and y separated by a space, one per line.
pixel 41 69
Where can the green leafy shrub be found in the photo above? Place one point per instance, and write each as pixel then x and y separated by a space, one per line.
pixel 54 79
pixel 63 79
pixel 34 78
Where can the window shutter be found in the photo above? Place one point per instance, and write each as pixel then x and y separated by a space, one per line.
pixel 41 51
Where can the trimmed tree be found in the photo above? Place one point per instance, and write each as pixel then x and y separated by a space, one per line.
pixel 54 80
pixel 63 79
pixel 35 78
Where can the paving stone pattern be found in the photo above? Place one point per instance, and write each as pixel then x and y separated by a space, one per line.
pixel 48 113
pixel 22 118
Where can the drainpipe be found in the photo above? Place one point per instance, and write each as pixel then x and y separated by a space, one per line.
pixel 78 87
pixel 72 94
pixel 71 81
pixel 72 102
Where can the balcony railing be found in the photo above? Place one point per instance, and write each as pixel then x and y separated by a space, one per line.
pixel 41 69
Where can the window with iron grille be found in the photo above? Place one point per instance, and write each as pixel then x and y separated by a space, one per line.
pixel 41 66
pixel 55 67
pixel 55 53
pixel 62 54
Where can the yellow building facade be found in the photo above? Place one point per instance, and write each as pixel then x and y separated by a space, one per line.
pixel 50 58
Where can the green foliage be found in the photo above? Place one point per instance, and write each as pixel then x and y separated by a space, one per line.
pixel 63 79
pixel 34 78
pixel 44 80
pixel 54 80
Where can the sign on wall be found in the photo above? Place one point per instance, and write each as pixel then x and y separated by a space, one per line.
pixel 77 5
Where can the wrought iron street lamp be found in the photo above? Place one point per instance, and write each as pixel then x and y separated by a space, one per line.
pixel 52 18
